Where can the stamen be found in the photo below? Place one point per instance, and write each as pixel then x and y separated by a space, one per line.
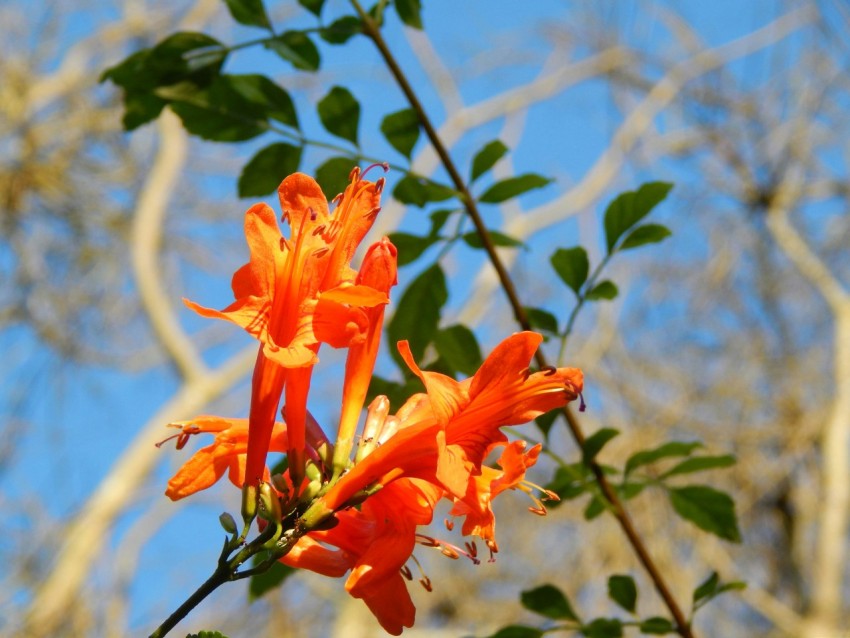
pixel 384 165
pixel 318 230
pixel 182 437
pixel 354 175
pixel 472 548
pixel 426 583
pixel 582 406
pixel 450 525
pixel 374 212
pixel 525 374
pixel 379 186
pixel 313 215
pixel 405 571
pixel 448 551
pixel 549 370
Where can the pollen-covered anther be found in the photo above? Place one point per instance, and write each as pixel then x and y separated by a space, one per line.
pixel 449 552
pixel 540 511
pixel 284 244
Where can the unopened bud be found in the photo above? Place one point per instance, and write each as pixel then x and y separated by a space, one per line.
pixel 227 523
pixel 269 503
pixel 313 471
pixel 249 503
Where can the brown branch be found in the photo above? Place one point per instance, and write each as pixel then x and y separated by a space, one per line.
pixel 619 511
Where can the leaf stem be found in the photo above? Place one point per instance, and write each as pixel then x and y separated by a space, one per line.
pixel 372 32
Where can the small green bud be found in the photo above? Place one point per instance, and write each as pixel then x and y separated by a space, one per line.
pixel 227 523
pixel 269 504
pixel 249 503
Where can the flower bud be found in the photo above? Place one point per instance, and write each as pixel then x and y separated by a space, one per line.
pixel 227 523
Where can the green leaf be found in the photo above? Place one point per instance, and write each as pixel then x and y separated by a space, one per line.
pixel 473 239
pixel 546 421
pixel 517 631
pixel 297 48
pixel 570 481
pixel 512 187
pixel 623 591
pixel 486 158
pixel 340 113
pixel 646 234
pixel 341 30
pixel 603 290
pixel 595 442
pixel 657 625
pixel 220 112
pixel 708 509
pixel 700 463
pixel 313 6
pixel 645 457
pixel 594 508
pixel 250 12
pixel 438 220
pixel 332 176
pixel 572 266
pixel 603 628
pixel 410 247
pixel 630 207
pixel 401 130
pixel 458 346
pixel 418 312
pixel 181 57
pixel 410 12
pixel 263 174
pixel 267 97
pixel 207 634
pixel 396 392
pixel 711 588
pixel 542 320
pixel 549 601
pixel 419 191
pixel 628 491
pixel 264 582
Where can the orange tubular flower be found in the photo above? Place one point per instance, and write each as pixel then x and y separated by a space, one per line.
pixel 295 293
pixel 374 542
pixel 502 392
pixel 226 454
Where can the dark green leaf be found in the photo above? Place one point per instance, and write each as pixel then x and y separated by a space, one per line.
pixel 706 588
pixel 549 601
pixel 570 481
pixel 512 187
pixel 623 591
pixel 297 48
pixel 459 348
pixel 265 96
pixel 542 320
pixel 418 312
pixel 603 290
pixel 401 130
pixel 546 421
pixel 264 582
pixel 410 12
pixel 486 158
pixel 419 191
pixel 341 30
pixel 646 234
pixel 628 491
pixel 250 12
pixel 410 247
pixel 207 634
pixel 595 442
pixel 700 463
pixel 263 174
pixel 594 508
pixel 220 112
pixel 630 207
pixel 313 6
pixel 603 628
pixel 645 457
pixel 340 113
pixel 182 57
pixel 517 631
pixel 657 625
pixel 572 266
pixel 397 393
pixel 333 175
pixel 438 220
pixel 708 509
pixel 473 239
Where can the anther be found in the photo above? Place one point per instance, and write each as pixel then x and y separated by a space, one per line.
pixel 426 583
pixel 450 525
pixel 354 175
pixel 405 571
pixel 525 374
pixel 448 551
pixel 540 511
pixel 549 370
pixel 472 548
pixel 582 406
pixel 379 185
pixel 313 215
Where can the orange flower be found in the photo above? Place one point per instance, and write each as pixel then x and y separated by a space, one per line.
pixel 295 293
pixel 482 489
pixel 374 543
pixel 502 392
pixel 226 454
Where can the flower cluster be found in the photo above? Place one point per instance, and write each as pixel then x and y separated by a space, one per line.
pixel 360 515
